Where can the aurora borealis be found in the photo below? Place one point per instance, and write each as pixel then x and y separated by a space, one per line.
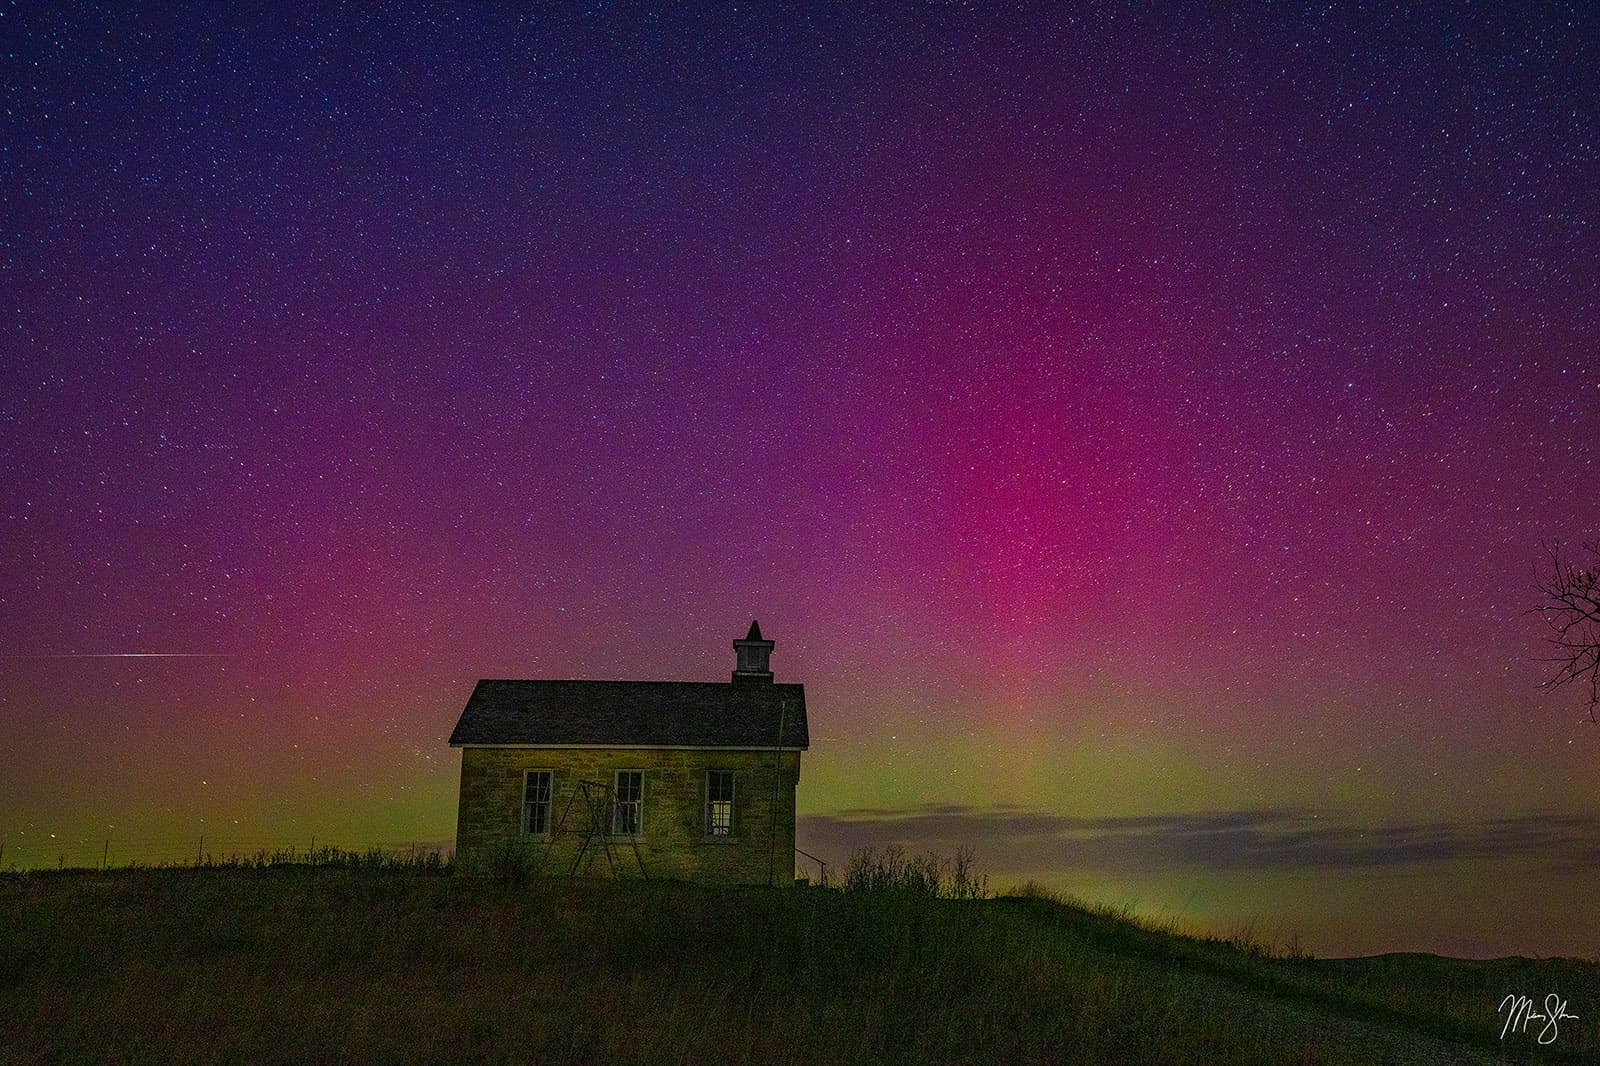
pixel 1136 429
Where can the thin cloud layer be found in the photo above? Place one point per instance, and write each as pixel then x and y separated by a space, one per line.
pixel 1273 839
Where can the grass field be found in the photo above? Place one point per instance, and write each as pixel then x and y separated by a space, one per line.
pixel 377 961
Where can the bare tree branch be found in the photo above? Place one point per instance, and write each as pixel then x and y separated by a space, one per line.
pixel 1568 586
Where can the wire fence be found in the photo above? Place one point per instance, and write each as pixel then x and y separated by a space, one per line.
pixel 18 854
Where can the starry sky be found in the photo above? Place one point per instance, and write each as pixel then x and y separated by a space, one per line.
pixel 1135 428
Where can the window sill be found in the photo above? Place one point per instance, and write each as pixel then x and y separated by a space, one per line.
pixel 729 839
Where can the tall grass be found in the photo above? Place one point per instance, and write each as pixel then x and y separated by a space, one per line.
pixel 891 870
pixel 422 860
pixel 384 958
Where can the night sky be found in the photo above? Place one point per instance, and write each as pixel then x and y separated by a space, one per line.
pixel 1136 430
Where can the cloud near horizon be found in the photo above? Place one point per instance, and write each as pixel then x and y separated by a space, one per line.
pixel 1273 839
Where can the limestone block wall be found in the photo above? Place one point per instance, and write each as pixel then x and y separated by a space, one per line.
pixel 673 843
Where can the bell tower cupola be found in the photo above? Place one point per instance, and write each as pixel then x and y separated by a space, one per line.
pixel 753 657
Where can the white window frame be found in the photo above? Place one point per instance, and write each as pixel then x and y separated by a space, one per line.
pixel 549 803
pixel 710 816
pixel 617 803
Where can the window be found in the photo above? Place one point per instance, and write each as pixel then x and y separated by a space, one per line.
pixel 627 810
pixel 719 803
pixel 536 803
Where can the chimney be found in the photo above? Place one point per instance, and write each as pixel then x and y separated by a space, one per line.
pixel 753 653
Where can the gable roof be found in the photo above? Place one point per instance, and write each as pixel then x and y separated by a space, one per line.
pixel 662 714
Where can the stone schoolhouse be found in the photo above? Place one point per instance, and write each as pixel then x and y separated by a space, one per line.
pixel 682 779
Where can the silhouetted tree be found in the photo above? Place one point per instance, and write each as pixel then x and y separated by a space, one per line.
pixel 1569 602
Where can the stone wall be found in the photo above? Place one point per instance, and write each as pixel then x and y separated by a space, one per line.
pixel 673 843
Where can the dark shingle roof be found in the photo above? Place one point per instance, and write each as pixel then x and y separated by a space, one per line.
pixel 696 714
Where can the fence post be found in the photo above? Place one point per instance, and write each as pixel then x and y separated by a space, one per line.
pixel 200 852
pixel 106 851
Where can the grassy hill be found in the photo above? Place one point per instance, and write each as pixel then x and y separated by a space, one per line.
pixel 383 962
